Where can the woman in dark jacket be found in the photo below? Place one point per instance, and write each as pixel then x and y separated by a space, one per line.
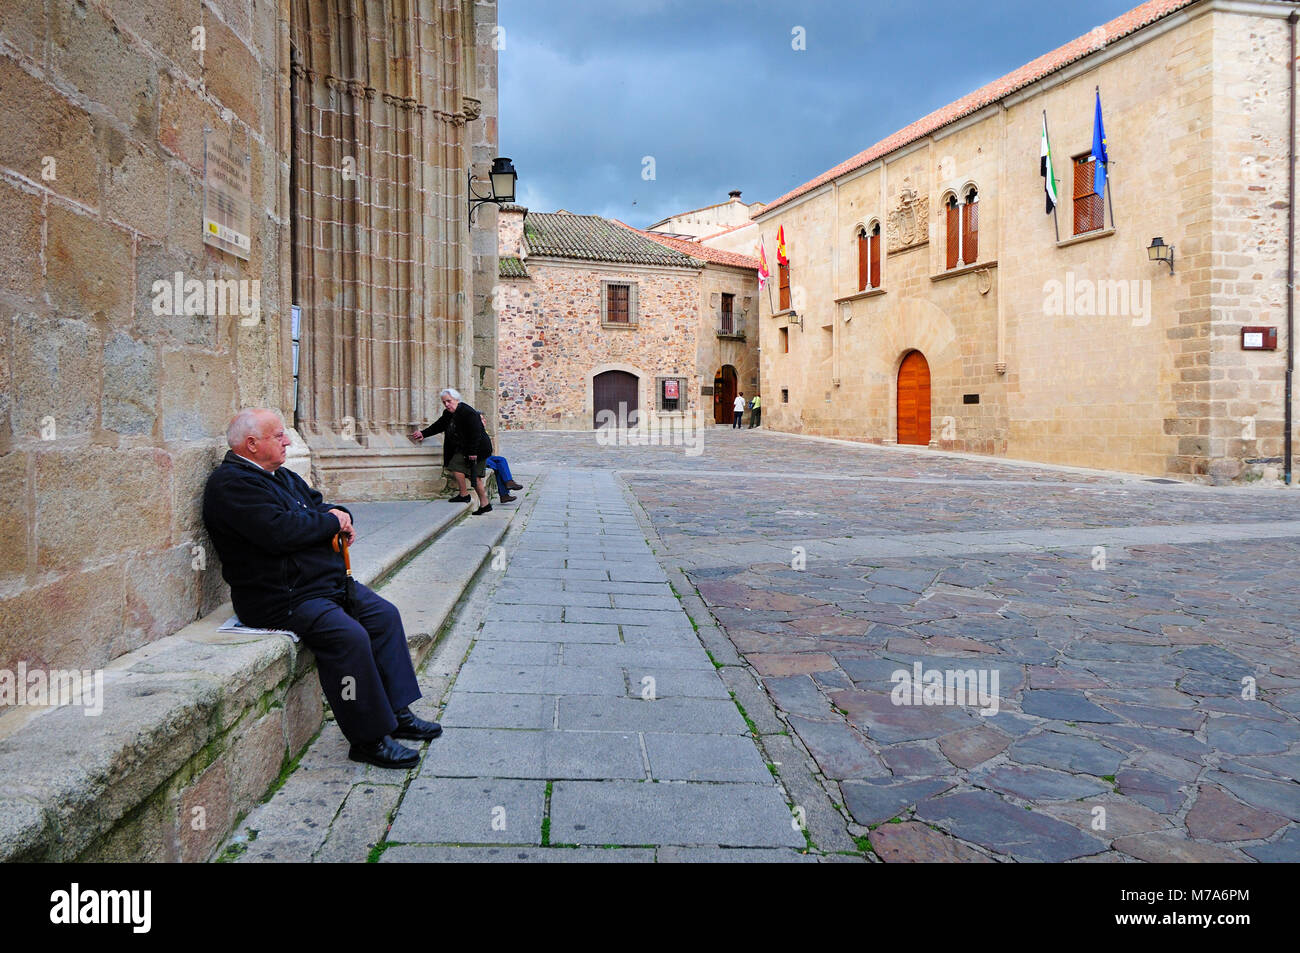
pixel 465 446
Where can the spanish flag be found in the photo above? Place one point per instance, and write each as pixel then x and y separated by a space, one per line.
pixel 781 257
pixel 763 273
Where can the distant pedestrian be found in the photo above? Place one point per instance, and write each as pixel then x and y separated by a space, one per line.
pixel 755 410
pixel 738 408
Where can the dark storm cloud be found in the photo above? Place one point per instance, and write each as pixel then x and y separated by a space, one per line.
pixel 715 93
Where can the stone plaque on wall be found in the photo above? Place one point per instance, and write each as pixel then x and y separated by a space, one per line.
pixel 227 195
pixel 908 224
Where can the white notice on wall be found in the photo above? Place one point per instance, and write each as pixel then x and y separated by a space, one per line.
pixel 1252 339
pixel 227 195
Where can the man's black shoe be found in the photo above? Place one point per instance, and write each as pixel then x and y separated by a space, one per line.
pixel 508 498
pixel 515 486
pixel 385 753
pixel 416 729
pixel 483 509
pixel 459 499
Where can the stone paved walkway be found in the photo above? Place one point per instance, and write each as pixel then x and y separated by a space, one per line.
pixel 1143 636
pixel 588 716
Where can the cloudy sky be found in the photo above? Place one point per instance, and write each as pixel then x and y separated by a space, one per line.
pixel 714 91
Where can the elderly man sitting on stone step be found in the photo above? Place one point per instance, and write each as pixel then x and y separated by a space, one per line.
pixel 275 536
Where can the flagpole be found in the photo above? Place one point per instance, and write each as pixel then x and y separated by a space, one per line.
pixel 1051 173
pixel 1109 201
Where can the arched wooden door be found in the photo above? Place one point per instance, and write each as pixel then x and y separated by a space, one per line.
pixel 616 392
pixel 724 394
pixel 914 400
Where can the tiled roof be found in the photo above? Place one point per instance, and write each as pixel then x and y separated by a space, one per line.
pixel 592 238
pixel 1091 42
pixel 715 256
pixel 512 268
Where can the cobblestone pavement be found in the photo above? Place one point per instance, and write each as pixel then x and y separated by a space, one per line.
pixel 1136 638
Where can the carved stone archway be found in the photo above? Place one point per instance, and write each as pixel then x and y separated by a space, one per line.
pixel 381 261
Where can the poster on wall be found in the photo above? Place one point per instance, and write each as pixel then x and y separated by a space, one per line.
pixel 227 195
pixel 670 390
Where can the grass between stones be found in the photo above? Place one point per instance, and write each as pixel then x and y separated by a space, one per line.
pixel 753 728
pixel 546 817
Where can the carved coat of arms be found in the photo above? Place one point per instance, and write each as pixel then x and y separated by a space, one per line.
pixel 907 225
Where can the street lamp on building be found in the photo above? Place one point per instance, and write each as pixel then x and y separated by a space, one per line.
pixel 502 178
pixel 1159 251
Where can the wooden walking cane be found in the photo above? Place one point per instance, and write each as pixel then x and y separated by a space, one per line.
pixel 349 584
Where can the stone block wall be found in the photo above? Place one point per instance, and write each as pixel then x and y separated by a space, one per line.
pixel 111 415
pixel 1244 255
pixel 552 341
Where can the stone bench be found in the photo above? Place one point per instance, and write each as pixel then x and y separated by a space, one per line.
pixel 195 728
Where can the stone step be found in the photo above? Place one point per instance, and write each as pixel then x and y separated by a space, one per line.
pixel 426 589
pixel 294 824
pixel 196 726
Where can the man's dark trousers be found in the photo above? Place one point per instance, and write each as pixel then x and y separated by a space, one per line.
pixel 364 664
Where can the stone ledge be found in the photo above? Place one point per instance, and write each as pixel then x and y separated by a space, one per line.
pixel 195 726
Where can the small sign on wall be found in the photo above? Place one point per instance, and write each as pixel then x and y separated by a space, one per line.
pixel 671 391
pixel 1259 339
pixel 227 195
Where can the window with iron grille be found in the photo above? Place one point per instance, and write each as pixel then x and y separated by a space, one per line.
pixel 618 304
pixel 1089 214
pixel 785 395
pixel 727 317
pixel 672 394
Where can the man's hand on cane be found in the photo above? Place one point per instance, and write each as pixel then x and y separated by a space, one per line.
pixel 345 525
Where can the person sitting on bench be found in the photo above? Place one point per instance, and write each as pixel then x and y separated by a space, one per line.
pixel 275 535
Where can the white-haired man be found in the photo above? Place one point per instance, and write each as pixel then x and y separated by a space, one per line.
pixel 274 535
pixel 465 448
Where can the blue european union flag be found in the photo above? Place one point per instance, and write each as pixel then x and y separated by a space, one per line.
pixel 1099 158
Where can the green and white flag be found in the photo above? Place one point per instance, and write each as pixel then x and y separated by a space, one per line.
pixel 1046 170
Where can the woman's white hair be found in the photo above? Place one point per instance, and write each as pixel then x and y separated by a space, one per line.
pixel 449 391
pixel 246 424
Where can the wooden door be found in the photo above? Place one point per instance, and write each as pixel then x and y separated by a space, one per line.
pixel 914 400
pixel 617 392
pixel 724 394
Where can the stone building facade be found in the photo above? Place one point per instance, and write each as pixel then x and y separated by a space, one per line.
pixel 573 344
pixel 355 125
pixel 1073 348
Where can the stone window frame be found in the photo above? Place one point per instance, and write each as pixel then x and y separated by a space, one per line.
pixel 872 227
pixel 633 311
pixel 961 201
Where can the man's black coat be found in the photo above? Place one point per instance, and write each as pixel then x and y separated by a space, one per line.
pixel 465 434
pixel 273 533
